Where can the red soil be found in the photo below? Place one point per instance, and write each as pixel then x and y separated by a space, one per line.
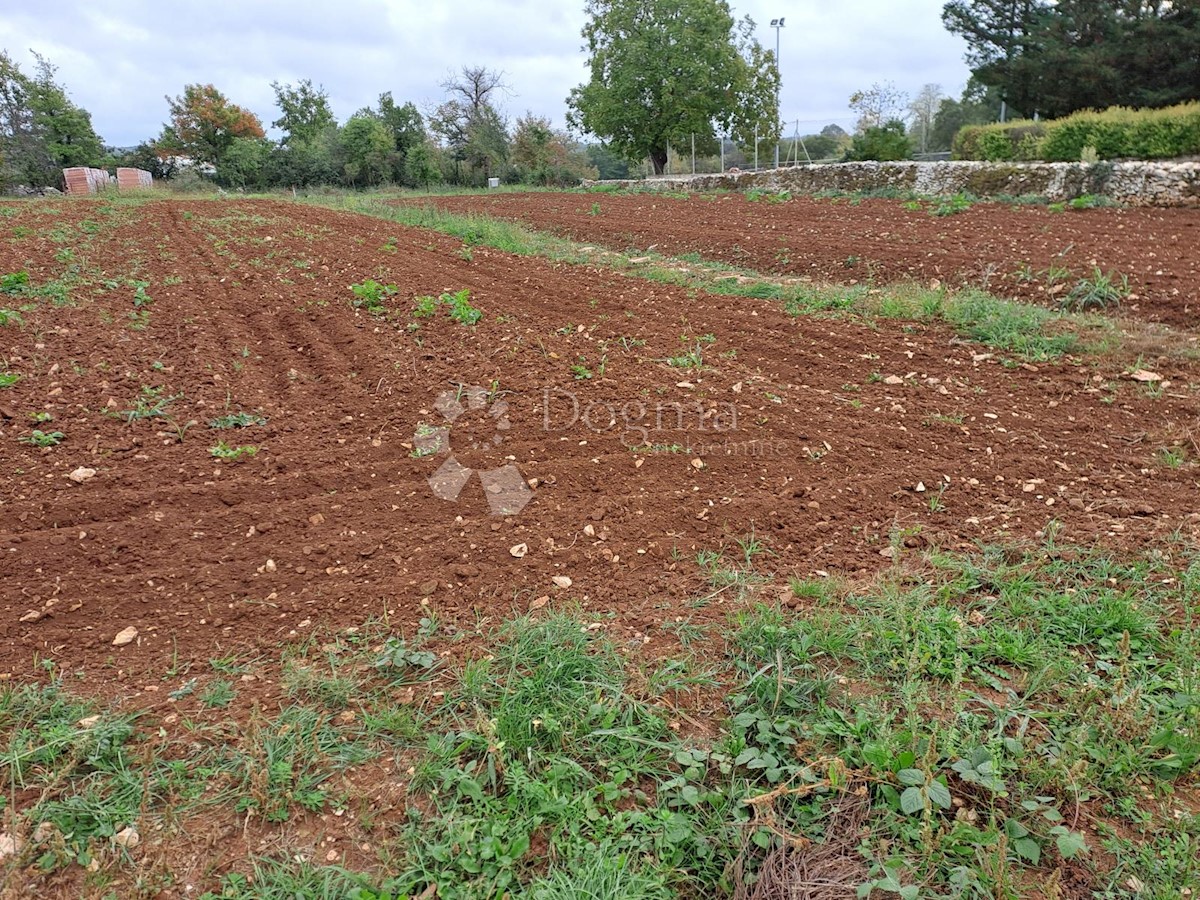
pixel 820 457
pixel 1009 249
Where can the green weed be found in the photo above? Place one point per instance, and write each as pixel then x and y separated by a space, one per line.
pixel 225 452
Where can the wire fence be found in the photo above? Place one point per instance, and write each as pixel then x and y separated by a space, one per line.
pixel 793 149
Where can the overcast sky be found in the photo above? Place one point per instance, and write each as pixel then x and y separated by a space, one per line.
pixel 118 58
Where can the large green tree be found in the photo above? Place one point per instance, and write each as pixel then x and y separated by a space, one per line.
pixel 41 129
pixel 204 124
pixel 978 105
pixel 470 126
pixel 663 71
pixel 304 111
pixel 1054 57
pixel 368 147
pixel 407 129
pixel 544 156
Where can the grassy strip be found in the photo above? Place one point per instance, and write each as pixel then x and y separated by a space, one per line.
pixel 1026 331
pixel 981 725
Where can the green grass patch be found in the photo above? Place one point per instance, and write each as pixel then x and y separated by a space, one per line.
pixel 966 725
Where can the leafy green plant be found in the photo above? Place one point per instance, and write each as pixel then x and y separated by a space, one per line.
pixel 238 420
pixel 630 343
pixel 692 359
pixel 1097 292
pixel 951 206
pixel 140 297
pixel 40 438
pixel 8 379
pixel 426 307
pixel 151 403
pixel 370 295
pixel 14 283
pixel 10 317
pixel 1091 201
pixel 398 655
pixel 224 451
pixel 219 694
pixel 461 310
pixel 1172 457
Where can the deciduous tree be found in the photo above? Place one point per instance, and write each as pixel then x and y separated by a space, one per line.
pixel 978 105
pixel 204 123
pixel 41 129
pixel 544 156
pixel 368 147
pixel 924 109
pixel 878 105
pixel 304 111
pixel 468 122
pixel 665 70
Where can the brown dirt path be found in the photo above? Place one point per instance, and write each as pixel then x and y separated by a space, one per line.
pixel 1010 250
pixel 812 434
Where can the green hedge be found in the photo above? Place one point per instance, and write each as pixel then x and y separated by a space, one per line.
pixel 1116 133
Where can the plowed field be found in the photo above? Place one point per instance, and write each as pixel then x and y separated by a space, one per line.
pixel 823 437
pixel 232 487
pixel 1027 251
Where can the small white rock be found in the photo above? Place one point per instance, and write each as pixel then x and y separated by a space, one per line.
pixel 127 837
pixel 82 474
pixel 10 845
pixel 562 581
pixel 518 551
pixel 125 636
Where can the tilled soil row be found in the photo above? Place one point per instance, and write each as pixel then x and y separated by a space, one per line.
pixel 1031 252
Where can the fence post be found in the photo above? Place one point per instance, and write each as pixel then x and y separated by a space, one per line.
pixel 693 153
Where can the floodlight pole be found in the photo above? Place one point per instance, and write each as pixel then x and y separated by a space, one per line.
pixel 777 24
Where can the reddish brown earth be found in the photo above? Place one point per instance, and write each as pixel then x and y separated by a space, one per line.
pixel 795 431
pixel 1008 249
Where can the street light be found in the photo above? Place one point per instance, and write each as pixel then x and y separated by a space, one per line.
pixel 777 24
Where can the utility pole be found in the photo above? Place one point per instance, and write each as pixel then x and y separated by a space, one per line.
pixel 777 24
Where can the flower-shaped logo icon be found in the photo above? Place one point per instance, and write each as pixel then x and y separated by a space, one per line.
pixel 504 487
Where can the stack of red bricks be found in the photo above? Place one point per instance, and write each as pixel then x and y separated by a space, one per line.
pixel 131 179
pixel 82 180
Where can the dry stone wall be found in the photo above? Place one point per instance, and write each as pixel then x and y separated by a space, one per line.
pixel 1133 183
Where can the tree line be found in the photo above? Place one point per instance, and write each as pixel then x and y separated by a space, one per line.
pixel 464 140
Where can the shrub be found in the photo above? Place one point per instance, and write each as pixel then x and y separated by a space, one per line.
pixel 885 143
pixel 1115 133
pixel 995 146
